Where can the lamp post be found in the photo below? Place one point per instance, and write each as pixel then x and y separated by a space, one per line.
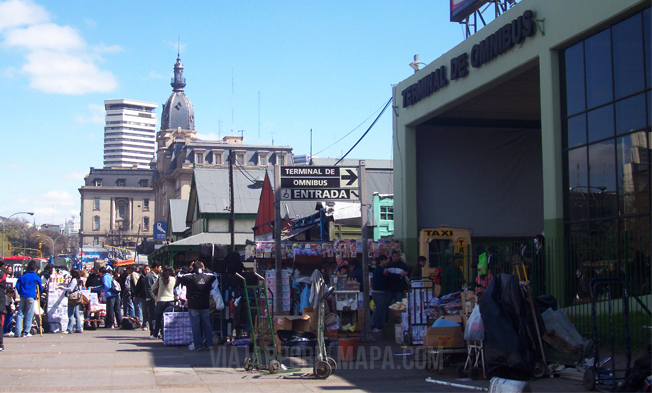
pixel 44 235
pixel 24 241
pixel 3 228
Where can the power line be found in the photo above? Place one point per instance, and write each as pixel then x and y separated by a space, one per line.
pixel 366 132
pixel 349 133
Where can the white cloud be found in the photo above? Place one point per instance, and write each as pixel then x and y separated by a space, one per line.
pixel 74 175
pixel 95 116
pixel 16 13
pixel 58 59
pixel 56 198
pixel 156 75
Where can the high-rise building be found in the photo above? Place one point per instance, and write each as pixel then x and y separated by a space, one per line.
pixel 129 134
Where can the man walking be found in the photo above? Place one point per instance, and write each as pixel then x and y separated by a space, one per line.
pixel 26 287
pixel 112 294
pixel 380 295
pixel 199 286
pixel 127 293
pixel 150 296
pixel 397 283
pixel 132 294
pixel 141 298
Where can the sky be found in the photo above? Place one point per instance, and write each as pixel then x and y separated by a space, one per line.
pixel 325 66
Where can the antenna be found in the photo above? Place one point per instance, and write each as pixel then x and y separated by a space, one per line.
pixel 311 145
pixel 272 138
pixel 178 45
pixel 258 114
pixel 232 100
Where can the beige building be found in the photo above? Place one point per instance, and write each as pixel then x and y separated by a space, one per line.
pixel 117 207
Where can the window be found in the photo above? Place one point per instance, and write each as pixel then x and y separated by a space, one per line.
pixel 280 159
pixel 144 182
pixel 146 223
pixel 262 159
pixel 96 204
pixel 606 130
pixel 122 211
pixel 199 158
pixel 146 204
pixel 239 159
pixel 96 223
pixel 121 182
pixel 97 182
pixel 217 158
pixel 387 213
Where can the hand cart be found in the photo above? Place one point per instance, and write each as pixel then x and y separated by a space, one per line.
pixel 265 352
pixel 474 358
pixel 324 365
pixel 609 292
pixel 540 366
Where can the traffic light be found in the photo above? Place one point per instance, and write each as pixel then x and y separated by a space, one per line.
pixel 103 244
pixel 40 245
pixel 9 246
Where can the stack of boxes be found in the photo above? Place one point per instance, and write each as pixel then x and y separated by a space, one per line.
pixel 270 279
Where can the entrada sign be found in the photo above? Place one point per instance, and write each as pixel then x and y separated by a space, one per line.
pixel 319 183
pixel 513 33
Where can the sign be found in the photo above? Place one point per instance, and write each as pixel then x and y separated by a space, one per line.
pixel 502 40
pixel 461 9
pixel 319 183
pixel 160 230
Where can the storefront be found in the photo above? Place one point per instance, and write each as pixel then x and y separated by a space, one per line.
pixel 538 123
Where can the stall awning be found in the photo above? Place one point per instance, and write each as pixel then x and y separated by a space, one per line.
pixel 297 231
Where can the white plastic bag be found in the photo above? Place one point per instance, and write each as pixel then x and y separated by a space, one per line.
pixel 217 296
pixel 474 326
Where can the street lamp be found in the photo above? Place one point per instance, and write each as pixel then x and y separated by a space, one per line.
pixel 44 235
pixel 3 228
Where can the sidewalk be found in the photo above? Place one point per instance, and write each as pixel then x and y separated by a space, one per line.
pixel 122 360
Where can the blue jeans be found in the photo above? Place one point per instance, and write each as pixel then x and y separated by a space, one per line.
pixel 381 301
pixel 138 310
pixel 25 314
pixel 128 306
pixel 202 332
pixel 6 327
pixel 74 317
pixel 113 308
pixel 158 324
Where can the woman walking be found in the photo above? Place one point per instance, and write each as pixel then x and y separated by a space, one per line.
pixel 163 287
pixel 73 311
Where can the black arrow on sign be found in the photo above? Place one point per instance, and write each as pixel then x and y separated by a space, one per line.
pixel 351 177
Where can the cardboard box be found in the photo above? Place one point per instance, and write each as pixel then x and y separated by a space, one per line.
pixel 445 337
pixel 289 322
pixel 331 334
pixel 311 312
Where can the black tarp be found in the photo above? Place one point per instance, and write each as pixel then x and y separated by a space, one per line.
pixel 510 344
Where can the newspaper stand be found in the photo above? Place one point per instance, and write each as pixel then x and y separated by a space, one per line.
pixel 420 293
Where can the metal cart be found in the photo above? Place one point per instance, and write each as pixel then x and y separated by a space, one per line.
pixel 611 294
pixel 420 293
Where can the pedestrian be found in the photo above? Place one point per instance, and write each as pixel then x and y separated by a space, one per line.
pixel 453 278
pixel 127 293
pixel 9 312
pixel 417 270
pixel 131 286
pixel 199 287
pixel 74 317
pixel 538 274
pixel 380 294
pixel 163 287
pixel 83 275
pixel 3 306
pixel 112 295
pixel 26 287
pixel 397 282
pixel 94 279
pixel 141 295
pixel 150 296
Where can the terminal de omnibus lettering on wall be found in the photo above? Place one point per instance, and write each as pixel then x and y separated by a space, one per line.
pixel 499 42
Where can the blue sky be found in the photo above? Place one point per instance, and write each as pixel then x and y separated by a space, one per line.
pixel 325 66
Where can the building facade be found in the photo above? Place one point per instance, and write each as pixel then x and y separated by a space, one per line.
pixel 537 124
pixel 117 207
pixel 179 150
pixel 129 134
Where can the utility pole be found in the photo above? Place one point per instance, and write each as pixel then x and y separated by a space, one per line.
pixel 232 201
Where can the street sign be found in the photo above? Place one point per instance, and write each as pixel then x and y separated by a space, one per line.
pixel 319 183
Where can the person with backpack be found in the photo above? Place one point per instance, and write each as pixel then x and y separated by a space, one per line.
pixel 199 287
pixel 111 289
pixel 164 289
pixel 74 286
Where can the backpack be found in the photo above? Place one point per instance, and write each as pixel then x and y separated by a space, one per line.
pixel 130 323
pixel 116 286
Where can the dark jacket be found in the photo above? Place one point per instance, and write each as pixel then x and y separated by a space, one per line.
pixel 150 279
pixel 93 280
pixel 396 282
pixel 198 288
pixel 3 290
pixel 380 279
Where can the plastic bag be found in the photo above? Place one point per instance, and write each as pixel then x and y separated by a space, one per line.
pixel 217 296
pixel 474 326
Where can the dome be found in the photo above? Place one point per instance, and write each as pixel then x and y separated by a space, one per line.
pixel 178 111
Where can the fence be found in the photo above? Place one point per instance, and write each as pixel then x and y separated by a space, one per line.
pixel 564 268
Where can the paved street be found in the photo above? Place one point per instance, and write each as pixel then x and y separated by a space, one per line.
pixel 118 360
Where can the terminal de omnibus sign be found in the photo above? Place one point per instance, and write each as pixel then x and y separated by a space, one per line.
pixel 334 183
pixel 502 40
